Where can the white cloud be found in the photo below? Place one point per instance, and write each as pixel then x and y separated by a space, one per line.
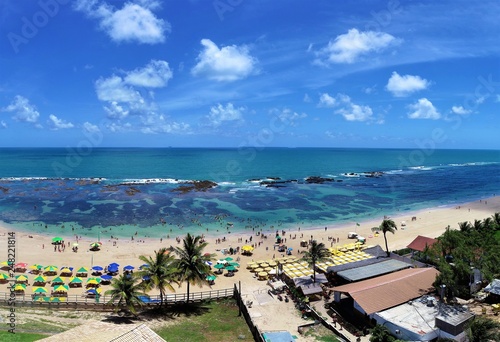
pixel 351 111
pixel 115 89
pixel 289 117
pixel 460 110
pixel 57 123
pixel 348 47
pixel 423 109
pixel 154 123
pixel 115 111
pixel 325 100
pixel 307 98
pixel 135 21
pixel 24 111
pixel 229 63
pixel 401 86
pixel 219 114
pixel 3 124
pixel 90 128
pixel 156 74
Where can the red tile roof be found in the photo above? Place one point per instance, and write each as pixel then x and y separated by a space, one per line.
pixel 420 242
pixel 387 291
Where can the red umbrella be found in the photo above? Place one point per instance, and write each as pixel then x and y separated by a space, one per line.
pixel 21 265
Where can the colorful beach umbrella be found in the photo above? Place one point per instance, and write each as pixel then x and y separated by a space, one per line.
pixel 21 278
pixel 75 280
pixel 50 268
pixel 39 290
pixel 66 270
pixel 82 270
pixel 20 287
pixel 36 267
pixel 3 276
pixel 21 265
pixel 94 281
pixel 40 279
pixel 57 280
pixel 247 248
pixel 61 288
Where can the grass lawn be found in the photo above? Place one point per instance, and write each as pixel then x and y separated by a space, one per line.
pixel 208 322
pixel 20 337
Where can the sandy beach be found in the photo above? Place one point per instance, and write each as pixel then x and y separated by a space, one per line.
pixel 32 248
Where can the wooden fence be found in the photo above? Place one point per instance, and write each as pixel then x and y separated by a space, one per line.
pixel 102 302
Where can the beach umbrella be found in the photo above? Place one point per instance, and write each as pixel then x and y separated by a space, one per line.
pixel 21 278
pixel 50 268
pixel 75 244
pixel 143 266
pixel 56 240
pixel 57 280
pixel 82 270
pixel 268 269
pixel 95 245
pixel 247 248
pixel 97 268
pixel 20 287
pixel 106 277
pixel 40 279
pixel 61 288
pixel 36 267
pixel 219 266
pixel 235 264
pixel 75 280
pixel 39 290
pixel 94 291
pixel 94 281
pixel 66 270
pixel 3 276
pixel 229 259
pixel 231 268
pixel 264 265
pixel 22 265
pixel 128 268
pixel 272 263
pixel 114 264
pixel 113 269
pixel 4 264
pixel 259 269
pixel 211 277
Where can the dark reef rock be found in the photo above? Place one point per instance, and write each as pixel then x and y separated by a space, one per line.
pixel 373 174
pixel 4 190
pixel 318 180
pixel 277 183
pixel 274 178
pixel 132 191
pixel 203 185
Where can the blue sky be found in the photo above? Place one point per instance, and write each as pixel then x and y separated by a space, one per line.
pixel 230 73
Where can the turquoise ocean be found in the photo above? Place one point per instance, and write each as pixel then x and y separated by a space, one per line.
pixel 120 191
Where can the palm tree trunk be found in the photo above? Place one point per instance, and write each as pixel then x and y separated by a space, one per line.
pixel 161 299
pixel 314 272
pixel 386 246
pixel 187 299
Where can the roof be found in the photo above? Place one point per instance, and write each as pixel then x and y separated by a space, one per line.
pixel 392 289
pixel 106 332
pixel 373 270
pixel 354 264
pixel 307 280
pixel 311 289
pixel 419 318
pixel 493 287
pixel 420 242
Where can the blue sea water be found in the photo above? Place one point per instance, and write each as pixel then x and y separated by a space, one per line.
pixel 118 191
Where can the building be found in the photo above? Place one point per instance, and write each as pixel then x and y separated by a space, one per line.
pixel 425 319
pixel 387 291
pixel 420 243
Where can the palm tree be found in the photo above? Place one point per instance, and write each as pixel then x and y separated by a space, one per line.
pixel 482 329
pixel 127 291
pixel 380 333
pixel 191 265
pixel 387 225
pixel 496 219
pixel 158 272
pixel 316 253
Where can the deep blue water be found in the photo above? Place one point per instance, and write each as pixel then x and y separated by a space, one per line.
pixel 120 191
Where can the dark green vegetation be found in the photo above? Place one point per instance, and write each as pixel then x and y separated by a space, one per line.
pixel 458 253
pixel 207 322
pixel 387 226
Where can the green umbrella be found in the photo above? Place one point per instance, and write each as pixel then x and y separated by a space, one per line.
pixel 50 268
pixel 235 264
pixel 39 290
pixel 57 239
pixel 40 279
pixel 57 280
pixel 3 276
pixel 54 299
pixel 211 278
pixel 76 280
pixel 219 266
pixel 229 259
pixel 231 268
pixel 61 288
pixel 83 270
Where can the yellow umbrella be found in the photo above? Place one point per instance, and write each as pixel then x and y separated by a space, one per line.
pixel 272 263
pixel 66 270
pixel 19 287
pixel 264 265
pixel 21 278
pixel 257 270
pixel 262 274
pixel 61 288
pixel 247 248
pixel 268 269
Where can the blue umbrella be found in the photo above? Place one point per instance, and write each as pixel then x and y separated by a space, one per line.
pixel 112 269
pixel 92 291
pixel 114 264
pixel 97 268
pixel 128 268
pixel 143 266
pixel 106 277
